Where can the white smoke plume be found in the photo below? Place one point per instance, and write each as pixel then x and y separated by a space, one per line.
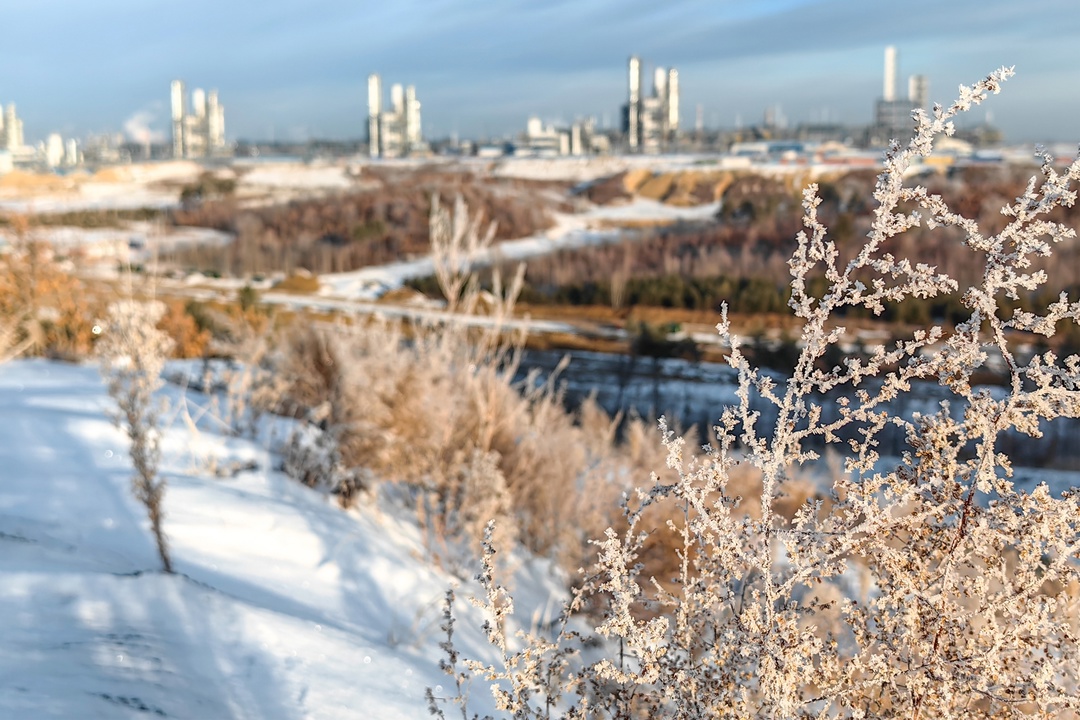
pixel 138 128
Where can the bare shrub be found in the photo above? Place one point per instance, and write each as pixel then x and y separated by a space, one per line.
pixel 133 353
pixel 189 341
pixel 47 309
pixel 385 222
pixel 248 382
pixel 925 586
pixel 432 405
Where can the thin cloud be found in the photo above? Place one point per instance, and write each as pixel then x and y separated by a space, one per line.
pixel 478 64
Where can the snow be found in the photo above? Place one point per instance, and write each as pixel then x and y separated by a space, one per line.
pixel 157 185
pixel 94 196
pixel 297 176
pixel 283 606
pixel 137 241
pixel 148 186
pixel 119 187
pixel 569 231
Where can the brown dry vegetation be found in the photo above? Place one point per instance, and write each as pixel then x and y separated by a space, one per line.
pixel 51 312
pixel 386 223
pixel 755 235
pixel 188 339
pixel 433 407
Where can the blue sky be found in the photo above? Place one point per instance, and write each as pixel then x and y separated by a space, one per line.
pixel 296 70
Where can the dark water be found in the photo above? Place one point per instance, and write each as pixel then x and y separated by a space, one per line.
pixel 695 393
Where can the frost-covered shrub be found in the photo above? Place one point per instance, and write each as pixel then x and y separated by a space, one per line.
pixel 924 586
pixel 133 353
pixel 248 385
pixel 313 457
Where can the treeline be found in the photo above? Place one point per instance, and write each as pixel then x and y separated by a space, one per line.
pixel 742 258
pixel 749 295
pixel 386 223
pixel 743 295
pixel 90 219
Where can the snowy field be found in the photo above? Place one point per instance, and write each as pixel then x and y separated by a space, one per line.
pixel 157 185
pixel 92 196
pixel 141 186
pixel 123 187
pixel 296 176
pixel 137 242
pixel 283 606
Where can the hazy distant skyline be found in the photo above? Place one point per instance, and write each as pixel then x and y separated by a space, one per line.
pixel 294 71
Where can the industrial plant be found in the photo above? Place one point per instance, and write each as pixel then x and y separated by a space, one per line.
pixel 892 114
pixel 11 129
pixel 395 131
pixel 198 130
pixel 651 122
pixel 647 123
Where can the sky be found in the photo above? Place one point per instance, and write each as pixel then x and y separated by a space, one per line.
pixel 291 70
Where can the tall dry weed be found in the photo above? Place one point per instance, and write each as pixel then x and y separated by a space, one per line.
pixel 133 353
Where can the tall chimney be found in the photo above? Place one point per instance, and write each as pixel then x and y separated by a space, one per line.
pixel 889 92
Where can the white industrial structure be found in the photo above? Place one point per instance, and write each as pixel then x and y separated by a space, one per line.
pixel 54 150
pixel 548 140
pixel 888 93
pixel 394 131
pixel 651 123
pixel 11 130
pixel 72 156
pixel 15 152
pixel 199 130
pixel 919 91
pixel 633 105
pixel 892 114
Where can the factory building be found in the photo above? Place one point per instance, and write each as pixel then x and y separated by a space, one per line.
pixel 11 130
pixel 198 130
pixel 542 139
pixel 393 131
pixel 651 122
pixel 892 114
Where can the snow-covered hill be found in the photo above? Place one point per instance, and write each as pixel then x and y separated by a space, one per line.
pixel 283 606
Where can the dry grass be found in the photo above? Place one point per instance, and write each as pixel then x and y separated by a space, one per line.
pixel 22 181
pixel 300 284
pixel 417 406
pixel 634 179
pixel 658 187
pixel 50 311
